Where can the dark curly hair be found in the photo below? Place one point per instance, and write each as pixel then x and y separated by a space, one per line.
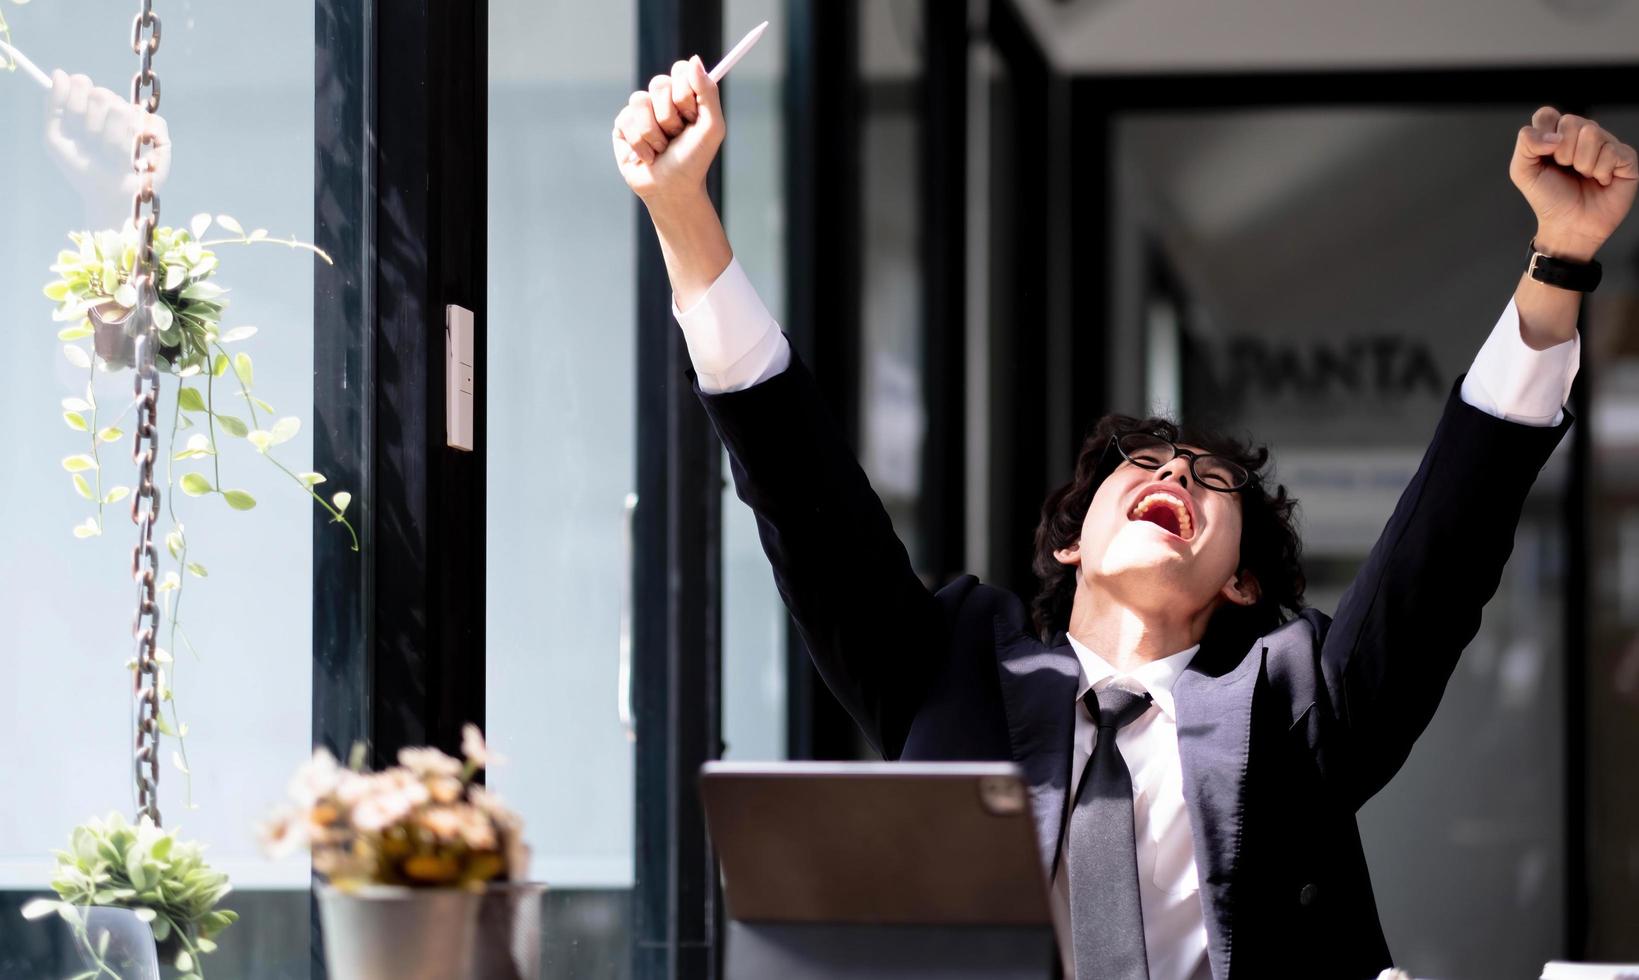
pixel 1270 547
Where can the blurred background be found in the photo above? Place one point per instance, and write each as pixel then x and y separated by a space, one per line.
pixel 983 224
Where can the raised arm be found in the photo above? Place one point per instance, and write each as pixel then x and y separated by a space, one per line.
pixel 874 631
pixel 1416 603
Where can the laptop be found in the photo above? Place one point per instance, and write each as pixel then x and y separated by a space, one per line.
pixel 948 844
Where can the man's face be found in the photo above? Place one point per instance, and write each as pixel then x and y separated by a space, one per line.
pixel 1157 540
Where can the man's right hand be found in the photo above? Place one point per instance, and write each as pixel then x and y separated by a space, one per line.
pixel 666 137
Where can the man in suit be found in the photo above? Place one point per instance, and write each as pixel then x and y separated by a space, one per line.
pixel 1196 757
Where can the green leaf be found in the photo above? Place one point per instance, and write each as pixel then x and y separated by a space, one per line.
pixel 234 426
pixel 126 295
pixel 198 570
pixel 264 406
pixel 261 439
pixel 184 961
pixel 258 234
pixel 74 333
pixel 110 433
pixel 75 421
pixel 202 291
pixel 239 499
pixel 83 487
pixel 116 495
pixel 135 870
pixel 285 429
pixel 146 915
pixel 241 367
pixel 341 500
pixel 175 276
pixel 56 291
pixel 238 333
pixel 39 908
pixel 76 405
pixel 219 366
pixel 89 529
pixel 78 463
pixel 163 318
pixel 77 356
pixel 230 224
pixel 310 479
pixel 198 224
pixel 173 544
pixel 182 767
pixel 195 484
pixel 190 399
pixel 165 726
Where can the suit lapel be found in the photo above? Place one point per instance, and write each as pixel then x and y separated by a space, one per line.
pixel 1039 691
pixel 1214 738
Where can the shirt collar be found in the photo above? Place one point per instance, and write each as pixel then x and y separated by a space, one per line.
pixel 1155 677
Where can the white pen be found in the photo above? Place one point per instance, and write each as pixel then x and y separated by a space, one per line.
pixel 31 68
pixel 737 52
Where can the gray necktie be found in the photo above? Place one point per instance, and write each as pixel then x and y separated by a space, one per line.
pixel 1105 916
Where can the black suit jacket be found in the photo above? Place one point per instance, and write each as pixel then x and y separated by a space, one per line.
pixel 1280 742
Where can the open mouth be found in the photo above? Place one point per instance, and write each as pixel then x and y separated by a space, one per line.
pixel 1167 511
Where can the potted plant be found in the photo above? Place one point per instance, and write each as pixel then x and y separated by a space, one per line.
pixel 412 860
pixel 161 880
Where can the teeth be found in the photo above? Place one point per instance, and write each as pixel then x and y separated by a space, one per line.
pixel 1169 501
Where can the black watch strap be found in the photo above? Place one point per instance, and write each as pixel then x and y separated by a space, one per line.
pixel 1578 276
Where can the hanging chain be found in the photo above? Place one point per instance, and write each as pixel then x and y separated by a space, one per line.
pixel 146 678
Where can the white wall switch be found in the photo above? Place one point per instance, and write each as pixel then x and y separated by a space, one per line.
pixel 459 377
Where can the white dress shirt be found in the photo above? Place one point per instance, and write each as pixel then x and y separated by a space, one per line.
pixel 734 343
pixel 1168 883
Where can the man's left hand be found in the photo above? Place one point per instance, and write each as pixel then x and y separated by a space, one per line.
pixel 1578 178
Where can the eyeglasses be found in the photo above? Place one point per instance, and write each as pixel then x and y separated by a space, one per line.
pixel 1209 469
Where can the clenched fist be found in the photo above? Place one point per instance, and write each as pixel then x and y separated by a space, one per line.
pixel 666 137
pixel 1578 178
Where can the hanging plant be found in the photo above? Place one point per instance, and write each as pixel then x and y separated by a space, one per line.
pixel 112 863
pixel 94 277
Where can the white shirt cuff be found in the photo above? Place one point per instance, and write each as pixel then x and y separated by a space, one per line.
pixel 733 341
pixel 1514 382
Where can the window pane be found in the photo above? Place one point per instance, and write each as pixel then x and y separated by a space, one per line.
pixel 754 619
pixel 892 413
pixel 237 84
pixel 561 462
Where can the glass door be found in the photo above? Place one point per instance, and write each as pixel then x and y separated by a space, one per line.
pixel 236 625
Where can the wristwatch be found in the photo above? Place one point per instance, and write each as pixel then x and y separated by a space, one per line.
pixel 1578 276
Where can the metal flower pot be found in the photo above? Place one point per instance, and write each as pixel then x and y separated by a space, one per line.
pixel 509 932
pixel 113 336
pixel 384 932
pixel 112 342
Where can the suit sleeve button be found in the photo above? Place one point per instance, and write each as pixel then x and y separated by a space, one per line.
pixel 1308 894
